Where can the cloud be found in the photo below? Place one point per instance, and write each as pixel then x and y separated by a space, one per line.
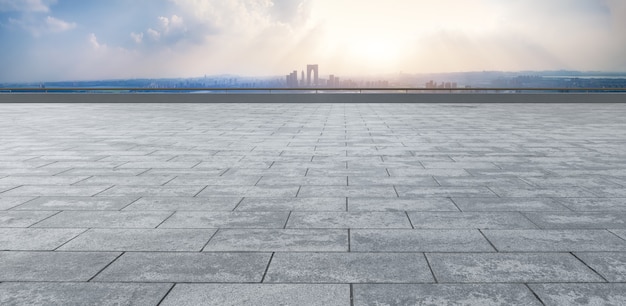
pixel 137 37
pixel 39 26
pixel 154 34
pixel 93 41
pixel 26 5
pixel 57 25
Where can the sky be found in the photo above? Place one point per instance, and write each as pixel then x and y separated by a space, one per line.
pixel 52 40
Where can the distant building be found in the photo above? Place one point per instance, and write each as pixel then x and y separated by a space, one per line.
pixel 314 69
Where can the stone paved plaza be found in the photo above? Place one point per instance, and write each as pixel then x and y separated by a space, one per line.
pixel 313 204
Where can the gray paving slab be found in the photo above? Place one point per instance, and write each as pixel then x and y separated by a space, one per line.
pixel 23 218
pixel 76 203
pixel 530 192
pixel 419 191
pixel 539 180
pixel 347 191
pixel 186 267
pixel 105 219
pixel 554 240
pixel 398 204
pixel 348 220
pixel 184 203
pixel 444 294
pixel 53 266
pixel 293 204
pixel 42 180
pixel 56 191
pixel 258 294
pixel 580 220
pixel 611 265
pixel 279 240
pixel 152 180
pixel 581 294
pixel 249 191
pixel 383 240
pixel 127 239
pixel 78 294
pixel 469 220
pixel 152 191
pixel 594 204
pixel 35 239
pixel 348 268
pixel 222 219
pixel 219 181
pixel 509 268
pixel 10 202
pixel 509 204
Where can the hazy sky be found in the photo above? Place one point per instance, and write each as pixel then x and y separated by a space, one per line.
pixel 46 40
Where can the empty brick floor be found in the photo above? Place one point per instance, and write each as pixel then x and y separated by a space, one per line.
pixel 312 204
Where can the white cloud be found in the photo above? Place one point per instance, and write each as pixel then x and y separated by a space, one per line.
pixel 154 34
pixel 93 41
pixel 38 26
pixel 57 25
pixel 26 5
pixel 137 37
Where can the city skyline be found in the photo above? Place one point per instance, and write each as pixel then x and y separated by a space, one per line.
pixel 54 40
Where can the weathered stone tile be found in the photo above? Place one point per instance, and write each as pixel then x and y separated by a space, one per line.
pixel 574 220
pixel 554 240
pixel 303 180
pixel 594 204
pixel 610 192
pixel 409 171
pixel 279 240
pixel 75 294
pixel 214 181
pixel 106 219
pixel 101 172
pixel 158 165
pixel 443 294
pixel 581 294
pixel 184 203
pixel 55 191
pixel 509 268
pixel 469 220
pixel 562 192
pixel 418 191
pixel 508 204
pixel 343 172
pixel 153 191
pixel 259 294
pixel 611 265
pixel 41 180
pixel 152 180
pixel 348 220
pixel 220 219
pixel 347 191
pixel 398 204
pixel 426 181
pixel 52 266
pixel 127 239
pixel 35 239
pixel 76 203
pixel 23 218
pixel 481 181
pixel 348 268
pixel 383 240
pixel 292 204
pixel 186 267
pixel 249 191
pixel 10 202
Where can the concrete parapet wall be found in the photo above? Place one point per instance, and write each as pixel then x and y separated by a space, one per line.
pixel 311 98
